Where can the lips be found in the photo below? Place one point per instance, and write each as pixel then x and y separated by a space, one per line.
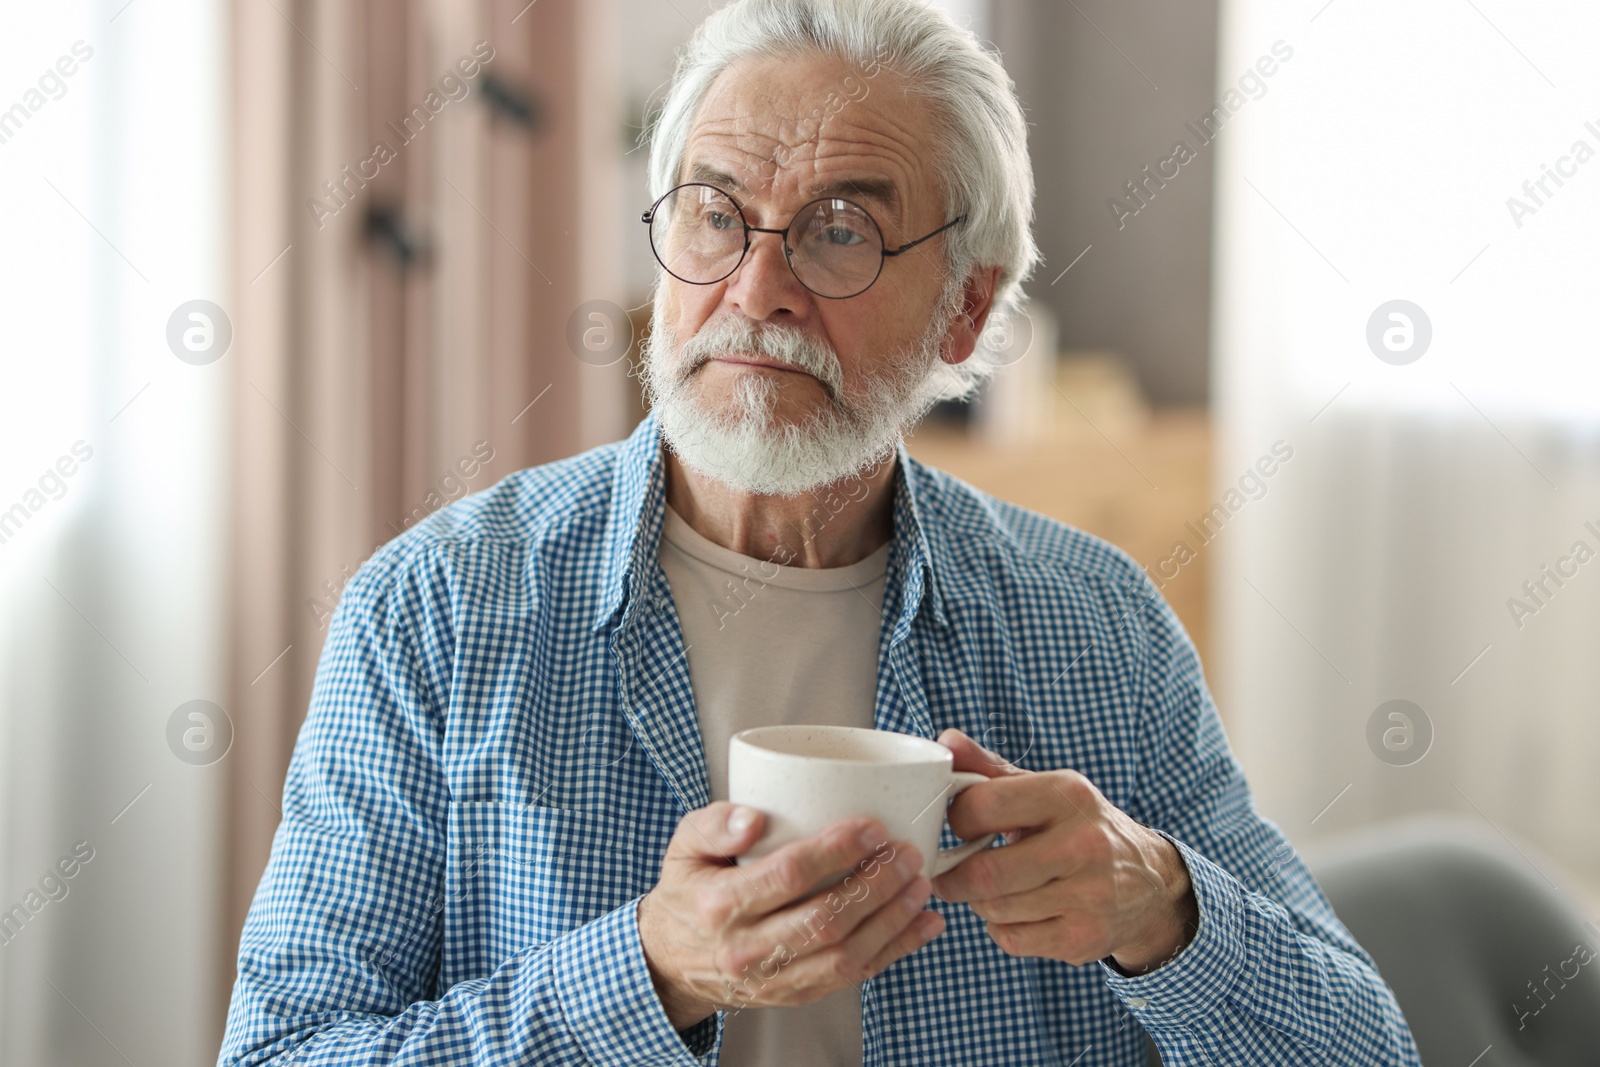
pixel 756 361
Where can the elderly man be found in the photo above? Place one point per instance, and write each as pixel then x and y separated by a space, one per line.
pixel 506 838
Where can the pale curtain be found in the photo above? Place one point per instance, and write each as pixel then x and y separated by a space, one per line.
pixel 1421 496
pixel 112 577
pixel 370 388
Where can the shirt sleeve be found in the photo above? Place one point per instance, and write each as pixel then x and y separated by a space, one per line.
pixel 339 958
pixel 1271 975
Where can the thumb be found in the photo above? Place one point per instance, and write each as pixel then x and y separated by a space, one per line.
pixel 720 830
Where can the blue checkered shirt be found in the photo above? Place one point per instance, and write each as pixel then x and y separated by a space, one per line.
pixel 502 739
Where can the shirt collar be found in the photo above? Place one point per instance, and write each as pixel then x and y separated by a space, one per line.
pixel 638 509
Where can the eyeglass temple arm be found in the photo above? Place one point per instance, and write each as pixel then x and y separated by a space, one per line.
pixel 931 236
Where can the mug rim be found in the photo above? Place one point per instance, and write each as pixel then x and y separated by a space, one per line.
pixel 745 737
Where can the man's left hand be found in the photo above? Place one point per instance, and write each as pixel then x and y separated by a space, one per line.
pixel 1078 880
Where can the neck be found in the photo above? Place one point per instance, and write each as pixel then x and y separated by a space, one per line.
pixel 832 526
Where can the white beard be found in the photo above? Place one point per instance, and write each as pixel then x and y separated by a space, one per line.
pixel 750 448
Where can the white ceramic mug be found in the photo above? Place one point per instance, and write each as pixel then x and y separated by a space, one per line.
pixel 807 777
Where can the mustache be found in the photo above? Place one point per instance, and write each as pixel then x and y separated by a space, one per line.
pixel 789 347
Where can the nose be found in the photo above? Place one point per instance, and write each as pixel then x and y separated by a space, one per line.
pixel 763 287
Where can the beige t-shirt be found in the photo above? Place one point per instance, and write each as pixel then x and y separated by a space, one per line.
pixel 768 645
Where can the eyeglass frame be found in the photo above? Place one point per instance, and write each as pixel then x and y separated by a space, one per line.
pixel 648 217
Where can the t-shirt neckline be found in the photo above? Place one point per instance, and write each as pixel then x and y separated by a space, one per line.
pixel 676 531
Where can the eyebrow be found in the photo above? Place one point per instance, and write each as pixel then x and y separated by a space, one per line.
pixel 881 191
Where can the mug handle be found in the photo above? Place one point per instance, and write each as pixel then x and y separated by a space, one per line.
pixel 949 857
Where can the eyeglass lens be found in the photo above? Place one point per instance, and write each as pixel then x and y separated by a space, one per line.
pixel 833 246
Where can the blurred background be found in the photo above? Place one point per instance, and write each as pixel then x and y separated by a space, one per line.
pixel 1314 342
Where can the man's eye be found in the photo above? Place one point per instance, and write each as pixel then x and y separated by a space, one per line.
pixel 719 220
pixel 841 235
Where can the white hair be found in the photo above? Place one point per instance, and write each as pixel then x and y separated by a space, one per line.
pixel 981 141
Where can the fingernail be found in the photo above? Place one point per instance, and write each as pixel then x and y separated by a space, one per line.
pixel 918 895
pixel 908 861
pixel 871 836
pixel 739 819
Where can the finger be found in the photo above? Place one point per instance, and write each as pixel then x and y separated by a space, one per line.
pixel 1022 801
pixel 892 933
pixel 831 915
pixel 795 869
pixel 1072 939
pixel 888 934
pixel 1032 862
pixel 713 832
pixel 971 756
pixel 925 926
pixel 1031 906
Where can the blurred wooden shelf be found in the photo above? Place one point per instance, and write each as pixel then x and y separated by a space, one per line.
pixel 1106 464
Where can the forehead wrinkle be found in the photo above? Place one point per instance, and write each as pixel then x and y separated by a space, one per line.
pixel 751 121
pixel 825 167
pixel 885 150
pixel 863 139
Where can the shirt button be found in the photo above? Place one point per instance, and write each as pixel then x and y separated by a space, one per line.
pixel 1137 1002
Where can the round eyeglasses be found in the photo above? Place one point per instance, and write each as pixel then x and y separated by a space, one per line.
pixel 834 247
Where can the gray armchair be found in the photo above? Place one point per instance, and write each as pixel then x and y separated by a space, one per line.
pixel 1480 949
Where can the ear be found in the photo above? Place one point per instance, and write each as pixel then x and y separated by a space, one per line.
pixel 977 300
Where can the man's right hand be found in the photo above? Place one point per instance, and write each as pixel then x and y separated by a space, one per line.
pixel 716 935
